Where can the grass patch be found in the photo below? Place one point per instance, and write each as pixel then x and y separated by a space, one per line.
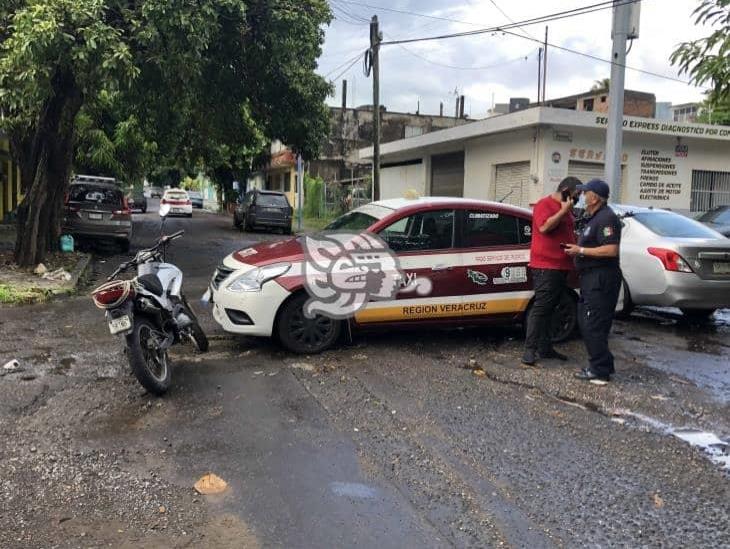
pixel 316 223
pixel 11 295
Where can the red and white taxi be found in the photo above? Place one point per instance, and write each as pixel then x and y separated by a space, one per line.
pixel 473 255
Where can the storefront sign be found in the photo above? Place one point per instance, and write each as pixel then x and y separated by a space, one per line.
pixel 591 155
pixel 669 128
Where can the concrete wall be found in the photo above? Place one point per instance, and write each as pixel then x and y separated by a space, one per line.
pixel 352 129
pixel 396 180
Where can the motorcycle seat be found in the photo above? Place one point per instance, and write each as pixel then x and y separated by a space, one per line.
pixel 152 284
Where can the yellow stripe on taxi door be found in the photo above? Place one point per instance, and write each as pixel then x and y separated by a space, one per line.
pixel 442 310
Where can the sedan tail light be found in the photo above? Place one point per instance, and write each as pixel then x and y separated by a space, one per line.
pixel 163 201
pixel 671 260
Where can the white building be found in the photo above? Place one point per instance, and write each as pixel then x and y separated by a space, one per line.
pixel 519 157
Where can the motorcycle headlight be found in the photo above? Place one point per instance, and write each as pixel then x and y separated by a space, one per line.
pixel 255 278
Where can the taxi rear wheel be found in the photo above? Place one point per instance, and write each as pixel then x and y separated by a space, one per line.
pixel 565 318
pixel 304 335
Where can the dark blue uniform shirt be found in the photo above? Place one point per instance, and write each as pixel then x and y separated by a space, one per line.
pixel 602 228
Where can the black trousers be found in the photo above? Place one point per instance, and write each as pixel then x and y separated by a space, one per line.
pixel 549 285
pixel 599 290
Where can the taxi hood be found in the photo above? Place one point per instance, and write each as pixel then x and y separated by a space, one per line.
pixel 265 253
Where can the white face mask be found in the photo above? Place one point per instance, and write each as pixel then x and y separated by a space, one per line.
pixel 581 201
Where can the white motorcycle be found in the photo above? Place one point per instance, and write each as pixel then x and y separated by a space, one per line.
pixel 151 312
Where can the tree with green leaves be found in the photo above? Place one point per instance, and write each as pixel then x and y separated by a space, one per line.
pixel 189 78
pixel 707 60
pixel 601 85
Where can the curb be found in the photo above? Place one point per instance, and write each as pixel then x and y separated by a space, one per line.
pixel 78 271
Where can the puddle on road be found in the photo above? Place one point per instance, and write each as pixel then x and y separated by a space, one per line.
pixel 353 490
pixel 713 447
pixel 718 450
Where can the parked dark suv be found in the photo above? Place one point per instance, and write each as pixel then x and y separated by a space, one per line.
pixel 98 212
pixel 263 209
pixel 137 201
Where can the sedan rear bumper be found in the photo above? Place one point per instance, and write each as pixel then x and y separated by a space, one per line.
pixel 687 290
pixel 271 221
pixel 116 233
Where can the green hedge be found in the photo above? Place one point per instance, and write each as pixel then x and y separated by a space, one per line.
pixel 313 197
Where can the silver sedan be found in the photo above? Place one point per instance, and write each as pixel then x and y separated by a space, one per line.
pixel 669 260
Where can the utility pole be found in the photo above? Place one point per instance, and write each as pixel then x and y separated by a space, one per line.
pixel 539 76
pixel 544 67
pixel 300 190
pixel 614 133
pixel 375 38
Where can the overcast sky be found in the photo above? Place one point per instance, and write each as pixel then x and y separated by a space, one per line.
pixel 416 71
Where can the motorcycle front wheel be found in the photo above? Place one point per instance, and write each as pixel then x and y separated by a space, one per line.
pixel 149 363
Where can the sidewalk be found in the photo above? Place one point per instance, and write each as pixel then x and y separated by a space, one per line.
pixel 59 274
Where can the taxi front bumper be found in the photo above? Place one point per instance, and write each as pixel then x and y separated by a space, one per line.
pixel 247 313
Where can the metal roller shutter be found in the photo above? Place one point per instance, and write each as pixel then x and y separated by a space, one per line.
pixel 512 184
pixel 447 174
pixel 585 171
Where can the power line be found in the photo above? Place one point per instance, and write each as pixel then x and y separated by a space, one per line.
pixel 596 58
pixel 606 4
pixel 500 10
pixel 536 20
pixel 356 17
pixel 347 68
pixel 345 16
pixel 486 67
pixel 352 61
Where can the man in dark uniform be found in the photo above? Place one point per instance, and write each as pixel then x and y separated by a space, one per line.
pixel 597 261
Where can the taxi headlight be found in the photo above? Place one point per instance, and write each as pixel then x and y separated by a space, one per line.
pixel 255 278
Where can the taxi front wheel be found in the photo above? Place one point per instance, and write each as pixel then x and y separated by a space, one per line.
pixel 304 335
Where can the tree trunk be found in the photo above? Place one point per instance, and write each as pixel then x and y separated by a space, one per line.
pixel 44 154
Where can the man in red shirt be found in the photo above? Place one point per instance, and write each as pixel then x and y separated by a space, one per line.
pixel 552 225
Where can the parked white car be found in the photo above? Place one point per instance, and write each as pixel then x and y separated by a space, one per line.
pixel 178 201
pixel 669 260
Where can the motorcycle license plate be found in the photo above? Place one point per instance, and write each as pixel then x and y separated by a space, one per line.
pixel 721 268
pixel 120 324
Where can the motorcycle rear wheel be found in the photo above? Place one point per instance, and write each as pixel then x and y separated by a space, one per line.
pixel 149 363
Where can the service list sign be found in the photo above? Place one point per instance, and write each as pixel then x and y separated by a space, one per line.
pixel 658 178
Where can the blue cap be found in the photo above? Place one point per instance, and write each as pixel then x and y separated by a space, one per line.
pixel 598 186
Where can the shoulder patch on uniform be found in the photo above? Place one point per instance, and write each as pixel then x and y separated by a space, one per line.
pixel 607 231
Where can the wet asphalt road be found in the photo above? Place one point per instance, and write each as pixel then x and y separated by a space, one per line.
pixel 399 440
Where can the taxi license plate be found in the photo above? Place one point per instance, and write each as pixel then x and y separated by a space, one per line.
pixel 721 267
pixel 120 324
pixel 94 216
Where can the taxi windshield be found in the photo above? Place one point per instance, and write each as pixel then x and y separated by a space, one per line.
pixel 351 221
pixel 360 218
